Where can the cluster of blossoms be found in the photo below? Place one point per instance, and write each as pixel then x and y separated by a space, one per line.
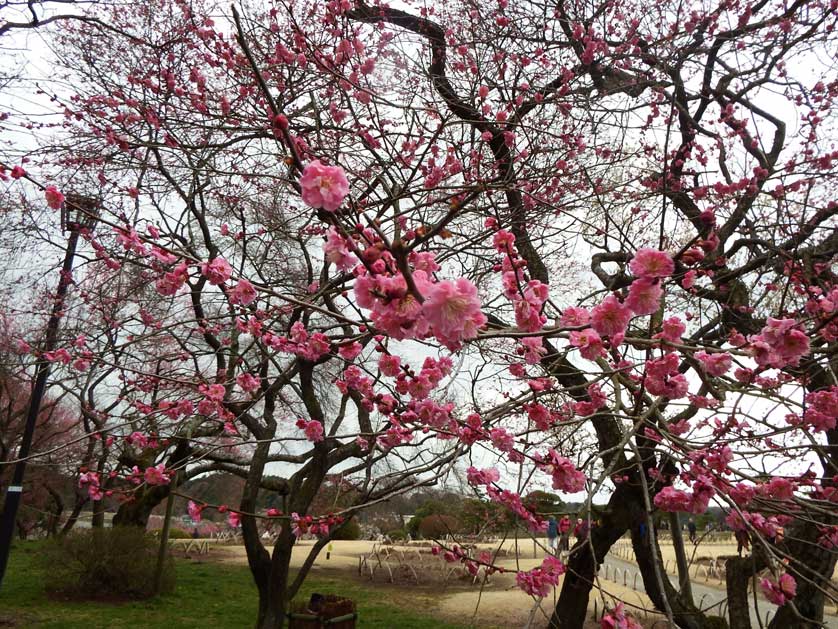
pixel 54 197
pixel 822 409
pixel 781 591
pixel 154 475
pixel 539 581
pixel 528 297
pixel 780 343
pixel 302 525
pixel 312 428
pixel 696 501
pixel 765 526
pixel 457 554
pixel 90 481
pixel 300 342
pixel 617 619
pixel 565 475
pixel 421 307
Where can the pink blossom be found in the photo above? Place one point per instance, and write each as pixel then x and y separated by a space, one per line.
pixel 779 344
pixel 452 308
pixel 351 351
pixel 533 349
pixel 91 481
pixel 137 439
pixel 482 477
pixel 242 293
pixel 715 364
pixel 312 428
pixel 589 343
pixel 502 439
pixel 248 382
pixel 663 377
pixel 672 330
pixel 540 416
pixel 390 365
pixel 671 499
pixel 574 316
pixel 171 282
pixel 194 510
pixel 539 581
pixel 54 197
pixel 644 296
pixel 157 475
pixel 217 271
pixel 323 186
pixel 651 264
pixel 617 619
pixel 822 409
pixel 610 318
pixel 336 250
pixel 234 519
pixel 781 591
pixel 565 475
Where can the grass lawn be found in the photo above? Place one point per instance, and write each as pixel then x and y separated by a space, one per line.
pixel 207 595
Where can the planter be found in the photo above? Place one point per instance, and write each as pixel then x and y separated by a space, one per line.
pixel 323 612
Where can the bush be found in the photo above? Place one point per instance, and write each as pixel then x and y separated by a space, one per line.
pixel 437 526
pixel 174 533
pixel 349 531
pixel 106 563
pixel 397 534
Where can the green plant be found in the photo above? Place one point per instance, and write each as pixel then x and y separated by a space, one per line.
pixel 106 563
pixel 397 534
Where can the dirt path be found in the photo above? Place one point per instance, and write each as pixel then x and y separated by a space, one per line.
pixel 499 603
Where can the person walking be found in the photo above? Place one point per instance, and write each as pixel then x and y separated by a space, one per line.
pixel 692 529
pixel 564 533
pixel 552 534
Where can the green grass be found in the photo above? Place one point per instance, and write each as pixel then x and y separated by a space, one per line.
pixel 207 595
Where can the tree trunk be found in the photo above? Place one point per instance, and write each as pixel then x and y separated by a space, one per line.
pixel 624 507
pixel 137 511
pixel 54 517
pixel 74 514
pixel 812 568
pixel 684 583
pixel 660 589
pixel 738 572
pixel 98 520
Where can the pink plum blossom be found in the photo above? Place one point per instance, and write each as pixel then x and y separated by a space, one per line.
pixel 452 308
pixel 610 318
pixel 217 271
pixel 644 296
pixel 651 264
pixel 54 197
pixel 323 186
pixel 194 510
pixel 781 591
pixel 715 364
pixel 242 293
pixel 157 475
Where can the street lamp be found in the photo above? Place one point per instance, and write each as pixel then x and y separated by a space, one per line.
pixel 79 213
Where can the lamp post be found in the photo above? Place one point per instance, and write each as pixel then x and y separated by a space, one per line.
pixel 78 213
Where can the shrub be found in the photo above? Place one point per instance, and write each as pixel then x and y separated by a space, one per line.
pixel 437 525
pixel 349 531
pixel 174 533
pixel 106 563
pixel 397 534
